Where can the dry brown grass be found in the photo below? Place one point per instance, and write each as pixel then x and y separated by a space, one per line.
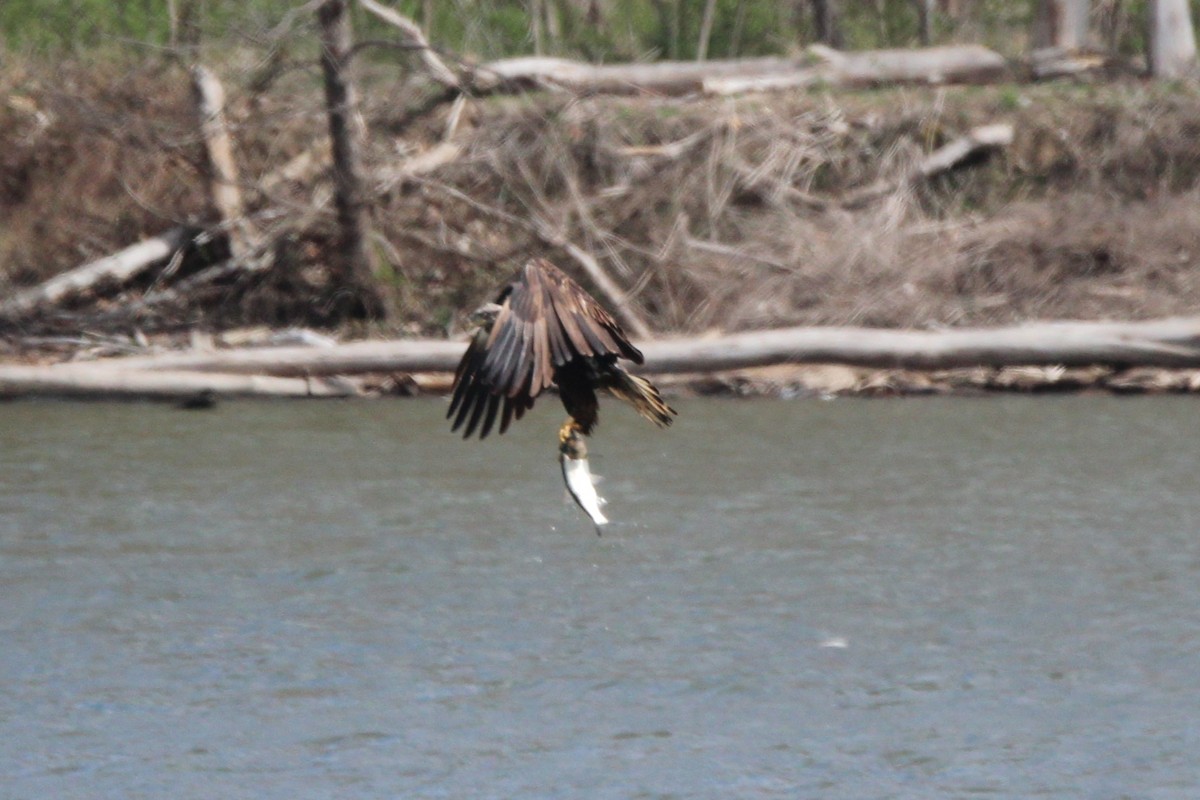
pixel 711 214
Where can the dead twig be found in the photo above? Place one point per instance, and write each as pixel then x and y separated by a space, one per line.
pixel 979 140
pixel 547 235
pixel 415 37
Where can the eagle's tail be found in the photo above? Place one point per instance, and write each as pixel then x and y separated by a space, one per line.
pixel 643 396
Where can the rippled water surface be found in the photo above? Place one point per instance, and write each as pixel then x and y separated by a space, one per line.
pixel 854 599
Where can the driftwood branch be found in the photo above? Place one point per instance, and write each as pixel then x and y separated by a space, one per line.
pixel 415 37
pixel 979 140
pixel 118 268
pixel 437 156
pixel 547 235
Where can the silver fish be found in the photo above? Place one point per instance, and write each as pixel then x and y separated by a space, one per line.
pixel 578 476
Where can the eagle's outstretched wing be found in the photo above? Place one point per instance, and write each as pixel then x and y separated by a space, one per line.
pixel 473 402
pixel 545 321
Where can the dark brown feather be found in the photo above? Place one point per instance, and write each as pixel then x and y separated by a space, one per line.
pixel 545 328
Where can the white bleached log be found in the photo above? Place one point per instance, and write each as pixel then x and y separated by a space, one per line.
pixel 1163 343
pixel 660 77
pixel 930 65
pixel 112 380
pixel 118 268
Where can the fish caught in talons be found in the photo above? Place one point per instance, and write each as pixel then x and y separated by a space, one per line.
pixel 581 485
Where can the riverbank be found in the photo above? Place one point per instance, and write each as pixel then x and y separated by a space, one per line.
pixel 758 212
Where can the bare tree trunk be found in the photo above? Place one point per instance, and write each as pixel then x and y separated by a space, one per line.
pixel 739 27
pixel 554 27
pixel 225 196
pixel 925 21
pixel 536 12
pixel 427 16
pixel 826 23
pixel 354 269
pixel 1172 39
pixel 1112 22
pixel 706 26
pixel 675 28
pixel 1061 23
pixel 172 24
pixel 189 23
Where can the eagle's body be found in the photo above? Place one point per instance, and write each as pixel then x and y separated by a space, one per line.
pixel 544 330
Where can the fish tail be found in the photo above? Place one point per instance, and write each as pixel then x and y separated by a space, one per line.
pixel 643 396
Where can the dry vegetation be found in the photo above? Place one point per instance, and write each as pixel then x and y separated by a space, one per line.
pixel 732 214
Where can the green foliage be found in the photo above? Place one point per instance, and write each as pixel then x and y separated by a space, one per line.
pixel 624 29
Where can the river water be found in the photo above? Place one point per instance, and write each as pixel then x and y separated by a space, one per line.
pixel 797 599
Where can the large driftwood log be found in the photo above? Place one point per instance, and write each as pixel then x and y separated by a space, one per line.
pixel 930 65
pixel 950 64
pixel 661 77
pixel 934 65
pixel 1163 343
pixel 118 268
pixel 112 380
pixel 409 355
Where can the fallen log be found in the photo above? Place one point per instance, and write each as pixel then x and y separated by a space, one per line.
pixel 408 355
pixel 660 77
pixel 1162 343
pixel 1165 343
pixel 930 65
pixel 118 268
pixel 969 63
pixel 1056 62
pixel 101 380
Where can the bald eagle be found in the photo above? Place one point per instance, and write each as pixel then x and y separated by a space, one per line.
pixel 544 330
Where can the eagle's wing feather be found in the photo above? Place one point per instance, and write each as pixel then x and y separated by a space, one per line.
pixel 545 321
pixel 591 329
pixel 465 378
